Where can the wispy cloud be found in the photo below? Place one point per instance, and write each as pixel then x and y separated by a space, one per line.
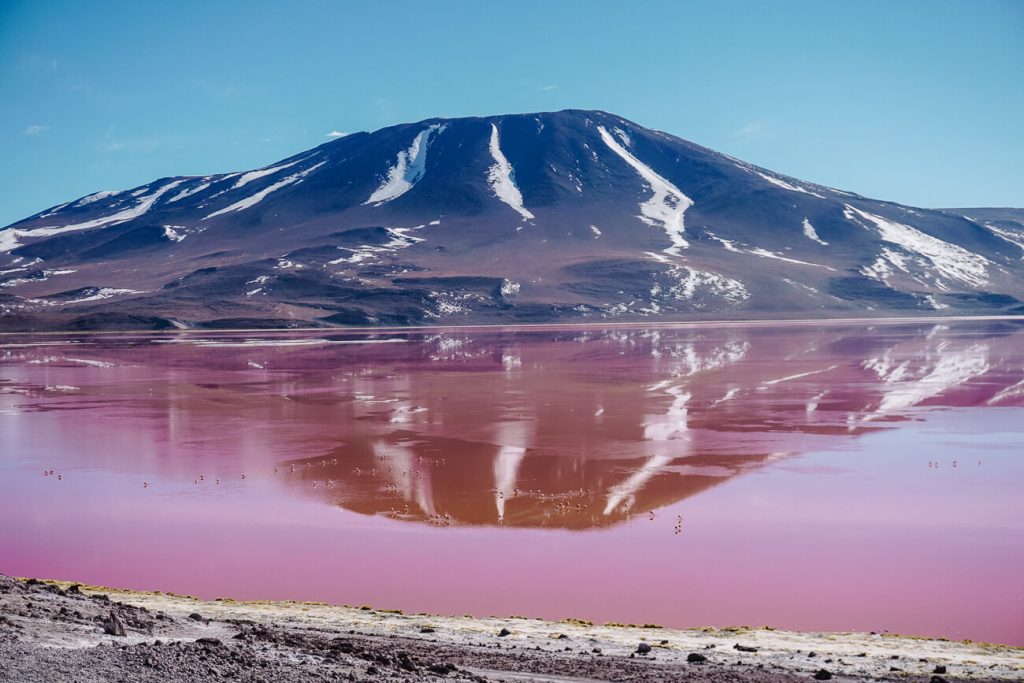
pixel 144 144
pixel 35 129
pixel 750 130
pixel 336 134
pixel 549 88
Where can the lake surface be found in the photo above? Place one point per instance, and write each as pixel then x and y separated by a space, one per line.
pixel 843 477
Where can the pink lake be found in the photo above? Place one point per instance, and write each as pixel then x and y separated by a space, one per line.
pixel 843 477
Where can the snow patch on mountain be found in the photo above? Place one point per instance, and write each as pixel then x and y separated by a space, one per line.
pixel 101 293
pixel 250 176
pixel 691 281
pixel 882 267
pixel 667 204
pixel 502 179
pixel 188 192
pixel 399 238
pixel 778 182
pixel 730 245
pixel 172 234
pixel 764 253
pixel 410 167
pixel 96 196
pixel 799 285
pixel 773 179
pixel 1014 238
pixel 55 210
pixel 949 260
pixel 38 276
pixel 449 303
pixel 256 198
pixel 144 205
pixel 9 239
pixel 812 234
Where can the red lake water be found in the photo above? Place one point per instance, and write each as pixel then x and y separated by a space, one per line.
pixel 846 477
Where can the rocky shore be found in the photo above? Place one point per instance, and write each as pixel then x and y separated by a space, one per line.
pixel 55 631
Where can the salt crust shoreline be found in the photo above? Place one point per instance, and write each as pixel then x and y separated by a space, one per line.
pixel 58 631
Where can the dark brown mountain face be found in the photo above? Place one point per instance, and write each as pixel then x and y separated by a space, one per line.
pixel 573 216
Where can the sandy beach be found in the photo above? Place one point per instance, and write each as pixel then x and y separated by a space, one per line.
pixel 58 631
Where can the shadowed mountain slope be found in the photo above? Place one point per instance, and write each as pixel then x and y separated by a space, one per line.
pixel 572 216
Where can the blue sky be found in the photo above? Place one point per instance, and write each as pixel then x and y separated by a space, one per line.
pixel 918 102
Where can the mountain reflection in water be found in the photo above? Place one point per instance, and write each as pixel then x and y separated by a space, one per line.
pixel 587 430
pixel 832 477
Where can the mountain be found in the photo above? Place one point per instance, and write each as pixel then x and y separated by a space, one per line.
pixel 572 216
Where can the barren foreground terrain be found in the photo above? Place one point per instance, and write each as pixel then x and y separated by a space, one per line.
pixel 53 632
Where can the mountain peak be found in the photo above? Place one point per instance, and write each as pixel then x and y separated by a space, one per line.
pixel 574 215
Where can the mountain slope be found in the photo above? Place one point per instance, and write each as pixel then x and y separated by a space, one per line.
pixel 576 216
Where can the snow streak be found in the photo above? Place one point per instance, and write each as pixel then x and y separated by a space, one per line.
pixel 409 168
pixel 502 178
pixel 667 204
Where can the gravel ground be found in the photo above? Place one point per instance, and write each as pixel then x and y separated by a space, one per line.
pixel 52 632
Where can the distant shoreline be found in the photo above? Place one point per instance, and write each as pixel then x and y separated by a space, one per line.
pixel 58 632
pixel 671 324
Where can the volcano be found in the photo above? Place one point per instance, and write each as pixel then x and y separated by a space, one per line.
pixel 565 217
